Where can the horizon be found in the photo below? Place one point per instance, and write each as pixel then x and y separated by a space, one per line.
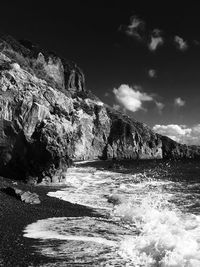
pixel 140 58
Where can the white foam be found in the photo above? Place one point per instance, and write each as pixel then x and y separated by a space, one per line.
pixel 87 186
pixel 167 237
pixel 48 229
pixel 158 233
pixel 92 201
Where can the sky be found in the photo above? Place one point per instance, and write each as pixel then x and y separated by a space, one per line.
pixel 140 57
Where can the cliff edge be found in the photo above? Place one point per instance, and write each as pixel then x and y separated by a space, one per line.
pixel 48 118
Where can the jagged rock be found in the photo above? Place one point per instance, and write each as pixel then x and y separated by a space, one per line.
pixel 74 77
pixel 52 66
pixel 45 65
pixel 42 128
pixel 174 150
pixel 130 139
pixel 24 196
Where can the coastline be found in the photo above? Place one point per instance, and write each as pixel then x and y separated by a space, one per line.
pixel 16 250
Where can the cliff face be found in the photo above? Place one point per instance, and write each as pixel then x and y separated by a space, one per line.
pixel 174 150
pixel 57 72
pixel 45 121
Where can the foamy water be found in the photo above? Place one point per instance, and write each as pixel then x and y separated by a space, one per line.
pixel 150 222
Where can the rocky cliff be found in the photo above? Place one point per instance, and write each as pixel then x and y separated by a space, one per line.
pixel 57 72
pixel 47 118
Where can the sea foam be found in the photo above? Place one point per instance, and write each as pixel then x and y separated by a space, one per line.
pixel 146 226
pixel 167 237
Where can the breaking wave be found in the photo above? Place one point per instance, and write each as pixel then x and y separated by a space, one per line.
pixel 149 223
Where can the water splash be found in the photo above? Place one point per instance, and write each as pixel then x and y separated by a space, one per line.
pixel 166 237
pixel 149 225
pixel 79 239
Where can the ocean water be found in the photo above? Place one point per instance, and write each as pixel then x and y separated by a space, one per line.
pixel 148 216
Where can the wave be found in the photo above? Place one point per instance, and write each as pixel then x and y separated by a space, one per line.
pixel 167 237
pixel 146 227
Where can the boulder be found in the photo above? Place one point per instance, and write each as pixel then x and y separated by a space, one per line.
pixel 24 196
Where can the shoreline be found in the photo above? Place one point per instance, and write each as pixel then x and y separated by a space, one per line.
pixel 16 250
pixel 19 251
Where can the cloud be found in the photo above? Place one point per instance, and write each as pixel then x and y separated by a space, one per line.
pixel 173 131
pixel 152 73
pixel 159 106
pixel 180 133
pixel 156 40
pixel 135 29
pixel 116 107
pixel 131 98
pixel 181 44
pixel 179 102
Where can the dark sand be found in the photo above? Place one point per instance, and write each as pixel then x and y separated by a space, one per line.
pixel 16 250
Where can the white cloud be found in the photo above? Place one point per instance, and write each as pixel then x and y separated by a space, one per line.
pixel 180 133
pixel 173 131
pixel 135 28
pixel 156 40
pixel 152 73
pixel 159 106
pixel 179 102
pixel 181 44
pixel 131 98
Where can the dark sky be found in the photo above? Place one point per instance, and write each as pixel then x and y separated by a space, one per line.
pixel 87 32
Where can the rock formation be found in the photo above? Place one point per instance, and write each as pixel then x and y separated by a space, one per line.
pixel 47 119
pixel 24 196
pixel 58 72
pixel 174 150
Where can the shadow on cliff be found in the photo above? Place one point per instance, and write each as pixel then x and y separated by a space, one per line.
pixel 30 160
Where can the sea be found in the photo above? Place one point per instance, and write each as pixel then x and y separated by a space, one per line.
pixel 145 214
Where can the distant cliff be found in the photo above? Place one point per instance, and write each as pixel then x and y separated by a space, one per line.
pixel 47 118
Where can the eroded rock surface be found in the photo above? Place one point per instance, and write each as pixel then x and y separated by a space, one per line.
pixel 48 119
pixel 24 196
pixel 57 72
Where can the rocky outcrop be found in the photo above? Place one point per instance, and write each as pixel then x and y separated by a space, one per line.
pixel 74 77
pixel 52 67
pixel 174 150
pixel 130 139
pixel 45 124
pixel 58 72
pixel 24 196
